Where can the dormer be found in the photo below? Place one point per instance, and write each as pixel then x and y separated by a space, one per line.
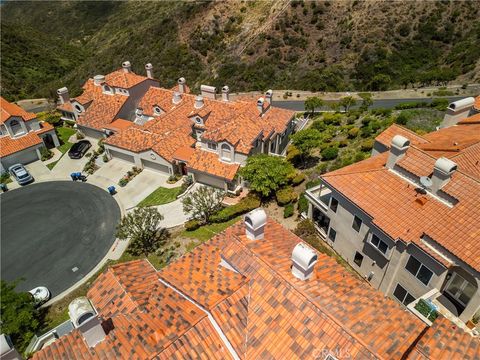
pixel 157 110
pixel 227 152
pixel 107 89
pixel 122 91
pixel 198 120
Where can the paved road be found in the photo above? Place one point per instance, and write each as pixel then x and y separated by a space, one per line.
pixel 48 229
pixel 381 103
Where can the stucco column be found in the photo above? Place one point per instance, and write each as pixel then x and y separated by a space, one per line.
pixel 55 140
pixel 473 305
pixel 277 144
pixel 310 211
pixel 39 155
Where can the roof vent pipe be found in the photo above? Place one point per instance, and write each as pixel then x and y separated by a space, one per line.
pixel 255 222
pixel 63 95
pixel 149 70
pixel 303 261
pixel 398 148
pixel 127 67
pixel 177 97
pixel 182 85
pixel 225 93
pixel 98 80
pixel 85 318
pixel 198 102
pixel 260 103
pixel 208 91
pixel 269 96
pixel 442 173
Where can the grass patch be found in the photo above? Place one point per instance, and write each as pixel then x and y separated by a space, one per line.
pixel 161 196
pixel 206 232
pixel 52 165
pixel 64 133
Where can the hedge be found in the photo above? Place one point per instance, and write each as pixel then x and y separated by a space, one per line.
pixel 298 179
pixel 302 203
pixel 288 211
pixel 245 205
pixel 286 196
pixel 191 225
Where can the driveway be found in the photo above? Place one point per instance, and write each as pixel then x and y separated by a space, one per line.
pixel 54 233
pixel 66 166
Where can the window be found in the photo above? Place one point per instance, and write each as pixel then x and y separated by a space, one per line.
pixel 78 108
pixel 332 234
pixel 157 110
pixel 333 204
pixel 272 146
pixel 16 127
pixel 212 146
pixel 403 295
pixel 420 271
pixel 379 244
pixel 226 152
pixel 358 258
pixel 357 223
pixel 198 120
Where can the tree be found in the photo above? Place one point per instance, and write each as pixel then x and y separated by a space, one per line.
pixel 306 140
pixel 203 202
pixel 329 153
pixel 19 316
pixel 347 102
pixel 367 101
pixel 266 173
pixel 313 103
pixel 142 228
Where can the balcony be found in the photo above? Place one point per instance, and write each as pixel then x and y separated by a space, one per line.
pixel 319 196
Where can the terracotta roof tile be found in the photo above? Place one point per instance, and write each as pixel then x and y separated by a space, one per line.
pixel 9 146
pixel 477 103
pixel 208 162
pixel 386 136
pixel 122 79
pixel 474 119
pixel 9 109
pixel 119 124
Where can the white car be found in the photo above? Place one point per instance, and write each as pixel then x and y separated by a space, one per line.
pixel 40 295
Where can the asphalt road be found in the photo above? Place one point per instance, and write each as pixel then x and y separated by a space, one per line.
pixel 380 103
pixel 54 233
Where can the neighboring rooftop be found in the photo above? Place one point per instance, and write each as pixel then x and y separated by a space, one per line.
pixel 9 109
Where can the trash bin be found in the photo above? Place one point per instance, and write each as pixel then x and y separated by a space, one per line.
pixel 111 190
pixel 4 187
pixel 73 176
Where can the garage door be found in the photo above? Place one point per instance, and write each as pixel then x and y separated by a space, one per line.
pixel 155 166
pixel 24 157
pixel 122 156
pixel 208 180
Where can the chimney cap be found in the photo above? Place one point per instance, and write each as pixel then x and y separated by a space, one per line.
pixel 198 102
pixel 181 80
pixel 126 64
pixel 260 101
pixel 445 166
pixel 256 218
pixel 62 90
pixel 149 66
pixel 400 142
pixel 269 93
pixel 177 97
pixel 225 89
pixel 303 256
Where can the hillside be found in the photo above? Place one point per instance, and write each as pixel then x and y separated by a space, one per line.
pixel 331 46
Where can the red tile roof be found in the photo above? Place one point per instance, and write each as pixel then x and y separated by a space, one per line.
pixel 208 162
pixel 477 103
pixel 386 136
pixel 445 341
pixel 474 119
pixel 9 109
pixel 391 202
pixel 119 124
pixel 9 146
pixel 121 79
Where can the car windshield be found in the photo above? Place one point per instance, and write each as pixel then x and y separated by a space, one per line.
pixel 22 175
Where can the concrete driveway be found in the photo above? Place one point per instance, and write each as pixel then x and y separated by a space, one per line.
pixel 66 166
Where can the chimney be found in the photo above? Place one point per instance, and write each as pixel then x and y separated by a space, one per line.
pixel 7 350
pixel 198 102
pixel 85 319
pixel 98 80
pixel 269 97
pixel 139 112
pixel 182 85
pixel 255 222
pixel 177 97
pixel 63 95
pixel 149 70
pixel 442 173
pixel 225 93
pixel 260 103
pixel 398 149
pixel 208 91
pixel 127 67
pixel 303 261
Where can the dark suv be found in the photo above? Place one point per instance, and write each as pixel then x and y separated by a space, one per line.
pixel 79 149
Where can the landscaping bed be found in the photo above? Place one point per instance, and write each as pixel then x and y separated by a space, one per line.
pixel 161 196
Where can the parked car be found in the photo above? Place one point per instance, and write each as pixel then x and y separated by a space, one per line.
pixel 79 149
pixel 40 295
pixel 20 174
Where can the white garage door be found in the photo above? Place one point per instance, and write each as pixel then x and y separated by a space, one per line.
pixel 208 180
pixel 155 166
pixel 122 156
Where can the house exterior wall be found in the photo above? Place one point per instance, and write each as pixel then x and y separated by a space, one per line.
pixel 208 179
pixel 21 157
pixel 92 133
pixel 378 148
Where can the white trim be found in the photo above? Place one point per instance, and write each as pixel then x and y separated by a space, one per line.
pixel 214 323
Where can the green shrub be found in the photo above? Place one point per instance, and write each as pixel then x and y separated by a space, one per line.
pixel 332 119
pixel 439 104
pixel 329 153
pixel 288 211
pixel 302 203
pixel 319 125
pixel 5 177
pixel 45 153
pixel 286 196
pixel 298 179
pixel 343 143
pixel 353 132
pixel 426 310
pixel 375 125
pixel 105 158
pixel 191 225
pixel 312 183
pixel 248 203
pixel 366 131
pixel 382 112
pixel 80 135
pixel 358 157
pixel 402 119
pixel 366 145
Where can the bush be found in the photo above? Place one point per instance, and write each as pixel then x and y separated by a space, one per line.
pixel 298 179
pixel 191 225
pixel 382 112
pixel 302 203
pixel 245 205
pixel 45 153
pixel 353 133
pixel 305 229
pixel 358 157
pixel 426 310
pixel 288 211
pixel 332 119
pixel 366 145
pixel 123 182
pixel 402 119
pixel 329 153
pixel 105 158
pixel 286 196
pixel 319 125
pixel 80 135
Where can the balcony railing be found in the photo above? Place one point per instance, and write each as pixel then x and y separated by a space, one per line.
pixel 320 196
